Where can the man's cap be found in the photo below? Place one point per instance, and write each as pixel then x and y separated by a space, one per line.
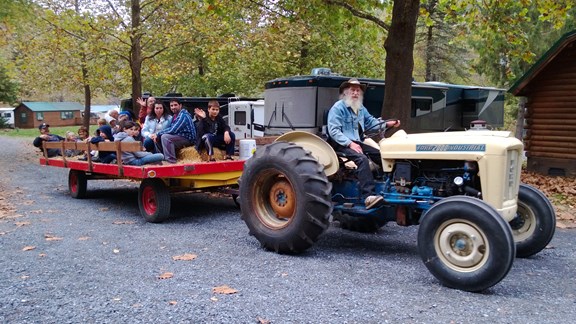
pixel 347 84
pixel 43 125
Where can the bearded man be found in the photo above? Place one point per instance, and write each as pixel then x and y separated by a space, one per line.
pixel 347 121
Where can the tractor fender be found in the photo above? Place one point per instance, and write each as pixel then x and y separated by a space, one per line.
pixel 320 149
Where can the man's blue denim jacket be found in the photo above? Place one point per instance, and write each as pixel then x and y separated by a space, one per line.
pixel 343 123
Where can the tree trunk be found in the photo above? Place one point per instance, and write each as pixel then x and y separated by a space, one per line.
pixel 430 52
pixel 136 56
pixel 399 47
pixel 87 96
pixel 86 82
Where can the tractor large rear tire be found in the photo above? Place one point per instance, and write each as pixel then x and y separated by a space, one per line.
pixel 535 222
pixel 285 197
pixel 465 243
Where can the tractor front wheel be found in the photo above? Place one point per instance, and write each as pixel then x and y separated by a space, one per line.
pixel 465 243
pixel 535 222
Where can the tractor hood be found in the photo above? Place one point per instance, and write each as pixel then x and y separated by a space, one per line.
pixel 466 145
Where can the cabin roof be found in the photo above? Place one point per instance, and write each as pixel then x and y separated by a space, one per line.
pixel 518 88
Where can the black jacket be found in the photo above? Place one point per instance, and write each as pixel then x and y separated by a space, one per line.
pixel 52 138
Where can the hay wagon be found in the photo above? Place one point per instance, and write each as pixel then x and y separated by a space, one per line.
pixel 157 182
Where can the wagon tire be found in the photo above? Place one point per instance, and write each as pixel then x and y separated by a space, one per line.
pixel 77 184
pixel 285 197
pixel 466 244
pixel 154 200
pixel 535 222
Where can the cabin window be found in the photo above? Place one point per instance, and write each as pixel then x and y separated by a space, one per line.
pixel 39 116
pixel 23 118
pixel 239 118
pixel 421 106
pixel 66 115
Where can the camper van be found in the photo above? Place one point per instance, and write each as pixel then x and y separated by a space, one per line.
pixel 302 103
pixel 245 118
pixel 8 115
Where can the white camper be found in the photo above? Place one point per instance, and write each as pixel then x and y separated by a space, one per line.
pixel 246 118
pixel 8 115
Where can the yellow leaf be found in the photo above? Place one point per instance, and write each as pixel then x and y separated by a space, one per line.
pixel 184 257
pixel 28 248
pixel 166 275
pixel 225 290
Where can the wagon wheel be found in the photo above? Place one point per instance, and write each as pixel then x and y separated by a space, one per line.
pixel 465 243
pixel 285 197
pixel 154 200
pixel 77 184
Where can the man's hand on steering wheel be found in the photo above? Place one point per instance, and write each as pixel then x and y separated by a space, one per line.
pixel 381 127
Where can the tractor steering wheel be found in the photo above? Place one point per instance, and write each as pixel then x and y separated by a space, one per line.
pixel 379 129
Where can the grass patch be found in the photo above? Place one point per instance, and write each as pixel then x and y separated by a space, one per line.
pixel 33 132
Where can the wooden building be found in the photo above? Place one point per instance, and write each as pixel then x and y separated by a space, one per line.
pixel 32 114
pixel 549 88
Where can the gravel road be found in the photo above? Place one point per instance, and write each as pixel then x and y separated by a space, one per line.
pixel 96 260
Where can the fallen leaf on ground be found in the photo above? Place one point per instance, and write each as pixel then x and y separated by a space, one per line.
pixel 184 257
pixel 172 302
pixel 122 222
pixel 28 248
pixel 214 299
pixel 224 290
pixel 104 209
pixel 262 320
pixel 116 250
pixel 166 275
pixel 50 237
pixel 20 224
pixel 42 255
pixel 84 238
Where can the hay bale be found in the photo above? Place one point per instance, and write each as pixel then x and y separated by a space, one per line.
pixel 190 155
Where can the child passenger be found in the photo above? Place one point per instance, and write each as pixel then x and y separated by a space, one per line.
pixel 72 137
pixel 104 134
pixel 130 132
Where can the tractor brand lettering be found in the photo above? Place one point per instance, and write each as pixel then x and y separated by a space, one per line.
pixel 451 147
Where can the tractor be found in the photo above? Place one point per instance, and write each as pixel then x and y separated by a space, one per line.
pixel 462 188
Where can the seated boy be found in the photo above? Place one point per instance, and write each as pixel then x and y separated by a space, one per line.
pixel 212 131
